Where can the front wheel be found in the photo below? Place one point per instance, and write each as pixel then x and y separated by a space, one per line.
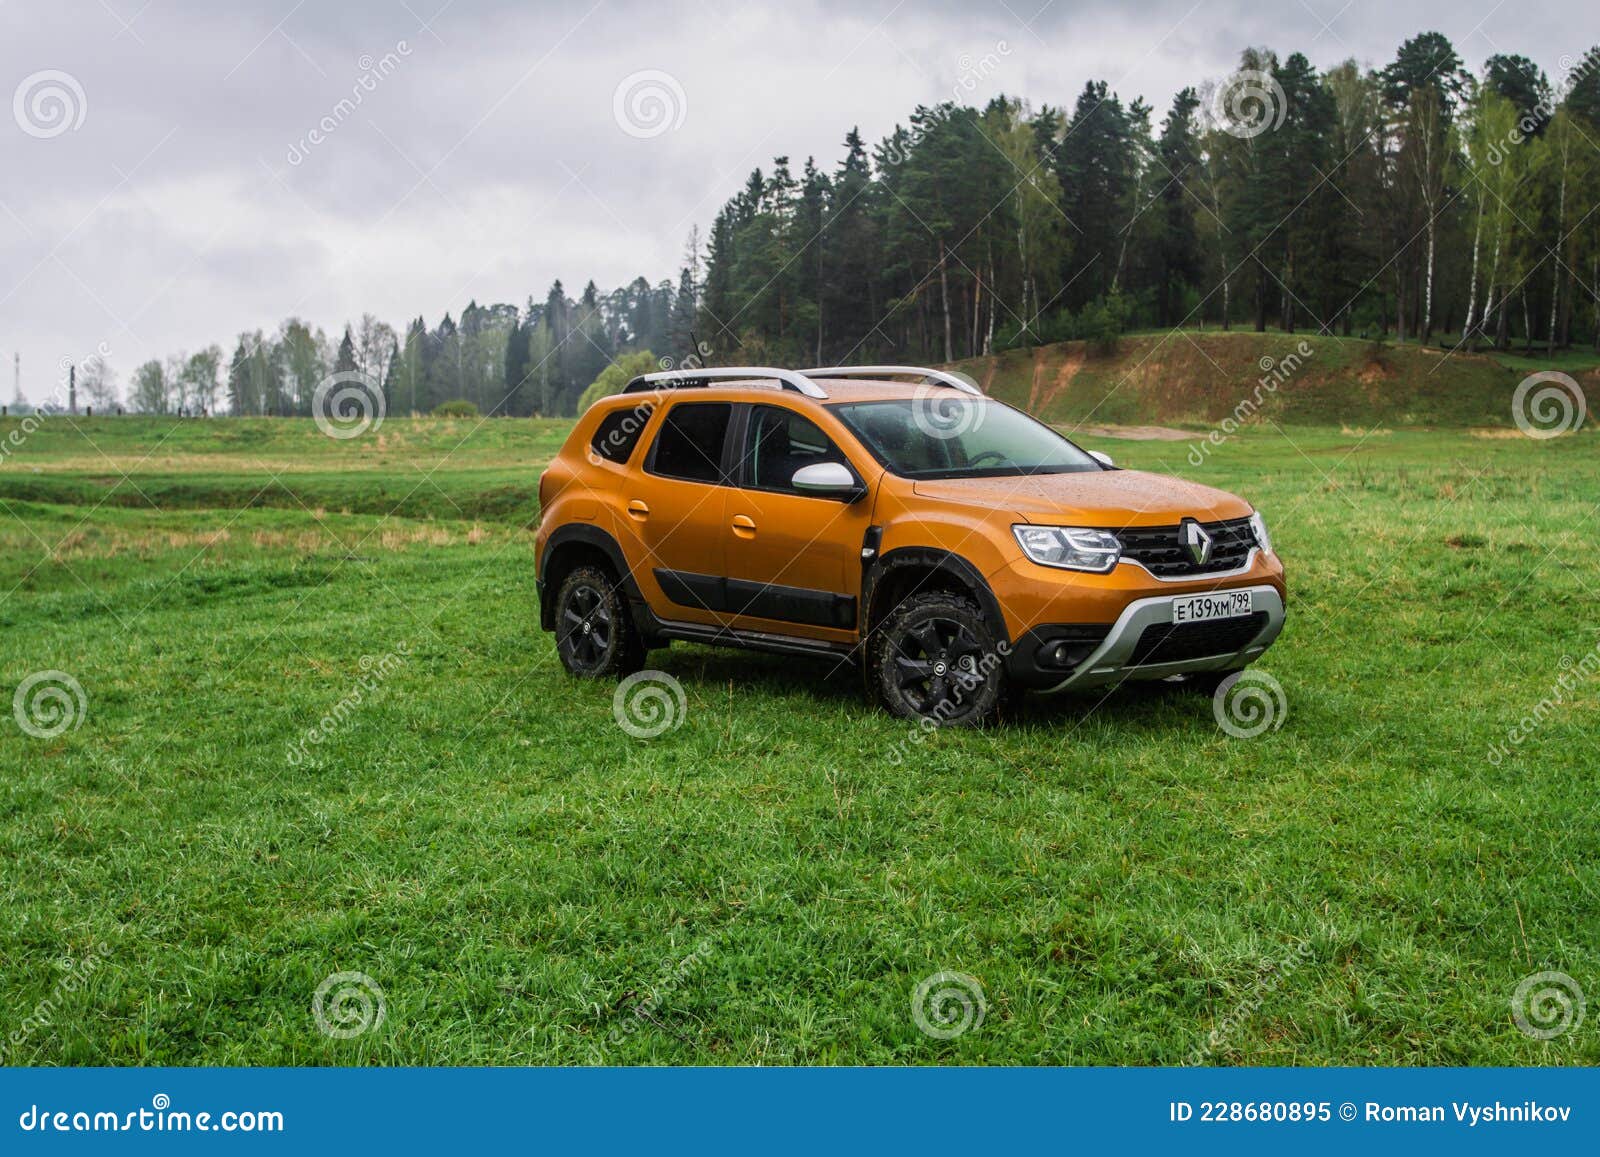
pixel 938 658
pixel 595 637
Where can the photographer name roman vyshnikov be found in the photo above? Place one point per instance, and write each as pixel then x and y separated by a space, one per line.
pixel 1465 1112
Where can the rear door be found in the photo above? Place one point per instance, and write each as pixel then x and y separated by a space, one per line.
pixel 793 560
pixel 674 510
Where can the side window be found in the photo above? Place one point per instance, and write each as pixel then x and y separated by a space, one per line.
pixel 689 445
pixel 618 433
pixel 780 442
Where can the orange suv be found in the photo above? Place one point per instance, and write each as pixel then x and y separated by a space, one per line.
pixel 955 547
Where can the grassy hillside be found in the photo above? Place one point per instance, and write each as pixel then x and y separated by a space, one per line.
pixel 1192 376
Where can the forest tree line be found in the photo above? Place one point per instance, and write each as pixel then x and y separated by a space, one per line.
pixel 1414 202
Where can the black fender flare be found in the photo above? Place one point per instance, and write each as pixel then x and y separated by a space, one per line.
pixel 583 534
pixel 928 558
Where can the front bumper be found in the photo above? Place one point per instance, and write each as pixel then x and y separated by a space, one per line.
pixel 1126 653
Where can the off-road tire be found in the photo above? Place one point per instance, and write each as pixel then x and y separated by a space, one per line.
pixel 595 635
pixel 937 657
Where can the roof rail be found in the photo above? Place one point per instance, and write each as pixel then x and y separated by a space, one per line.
pixel 938 377
pixel 786 379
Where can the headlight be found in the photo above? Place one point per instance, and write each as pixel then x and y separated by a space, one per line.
pixel 1071 547
pixel 1258 526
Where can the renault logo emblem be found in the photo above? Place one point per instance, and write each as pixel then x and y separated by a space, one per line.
pixel 1195 541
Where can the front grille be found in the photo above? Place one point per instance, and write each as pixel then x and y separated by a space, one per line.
pixel 1176 642
pixel 1158 550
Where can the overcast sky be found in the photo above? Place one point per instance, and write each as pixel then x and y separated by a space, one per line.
pixel 160 188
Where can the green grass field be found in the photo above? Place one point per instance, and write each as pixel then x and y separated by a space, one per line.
pixel 770 881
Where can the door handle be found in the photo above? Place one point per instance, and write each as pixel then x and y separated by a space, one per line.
pixel 638 509
pixel 744 526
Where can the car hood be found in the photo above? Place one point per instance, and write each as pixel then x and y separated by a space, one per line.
pixel 1106 498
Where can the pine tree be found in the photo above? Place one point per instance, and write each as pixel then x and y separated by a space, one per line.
pixel 1177 256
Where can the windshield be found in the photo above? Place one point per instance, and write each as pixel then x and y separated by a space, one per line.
pixel 952 435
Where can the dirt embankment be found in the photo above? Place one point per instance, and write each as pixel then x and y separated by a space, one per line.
pixel 1204 377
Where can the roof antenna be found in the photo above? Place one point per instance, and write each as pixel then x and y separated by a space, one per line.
pixel 699 361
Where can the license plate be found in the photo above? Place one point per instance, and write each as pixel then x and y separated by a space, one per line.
pixel 1203 608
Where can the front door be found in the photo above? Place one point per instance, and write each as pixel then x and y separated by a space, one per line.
pixel 793 560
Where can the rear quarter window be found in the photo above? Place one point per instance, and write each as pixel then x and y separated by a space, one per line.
pixel 619 432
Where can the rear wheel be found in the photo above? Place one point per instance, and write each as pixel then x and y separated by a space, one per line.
pixel 595 637
pixel 936 657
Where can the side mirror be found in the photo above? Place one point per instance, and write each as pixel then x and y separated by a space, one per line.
pixel 827 480
pixel 1103 459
